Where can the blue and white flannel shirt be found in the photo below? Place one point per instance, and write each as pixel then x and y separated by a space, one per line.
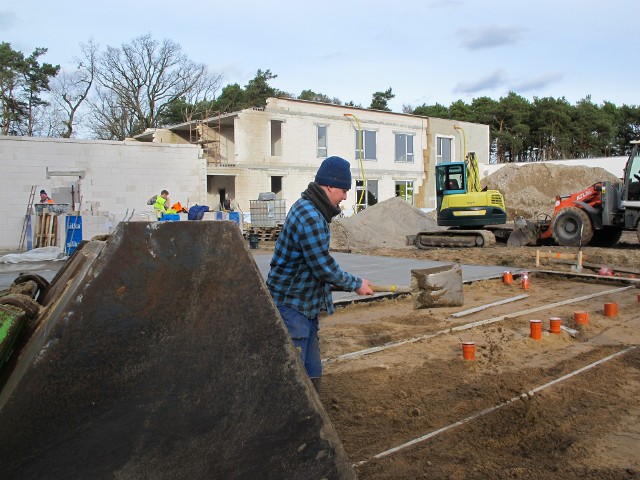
pixel 302 269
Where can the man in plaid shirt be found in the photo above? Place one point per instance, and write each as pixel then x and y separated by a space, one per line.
pixel 302 269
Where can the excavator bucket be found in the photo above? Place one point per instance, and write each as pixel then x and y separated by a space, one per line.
pixel 524 233
pixel 159 354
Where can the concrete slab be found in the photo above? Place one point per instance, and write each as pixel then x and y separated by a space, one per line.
pixel 9 271
pixel 380 270
pixel 391 270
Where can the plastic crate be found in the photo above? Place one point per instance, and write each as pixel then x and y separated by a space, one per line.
pixel 169 217
pixel 267 213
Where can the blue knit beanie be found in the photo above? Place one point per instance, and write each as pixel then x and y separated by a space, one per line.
pixel 334 172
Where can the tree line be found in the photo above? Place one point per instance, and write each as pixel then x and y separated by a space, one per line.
pixel 119 92
pixel 546 128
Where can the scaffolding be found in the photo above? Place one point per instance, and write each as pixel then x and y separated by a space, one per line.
pixel 206 132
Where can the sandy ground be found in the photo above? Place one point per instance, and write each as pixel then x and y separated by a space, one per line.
pixel 493 426
pixel 584 426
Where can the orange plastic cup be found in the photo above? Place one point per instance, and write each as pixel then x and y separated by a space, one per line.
pixel 581 317
pixel 536 329
pixel 554 324
pixel 507 278
pixel 469 350
pixel 611 309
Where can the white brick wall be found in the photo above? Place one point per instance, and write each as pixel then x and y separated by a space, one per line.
pixel 119 177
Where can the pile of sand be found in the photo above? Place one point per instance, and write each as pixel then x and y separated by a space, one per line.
pixel 531 189
pixel 385 224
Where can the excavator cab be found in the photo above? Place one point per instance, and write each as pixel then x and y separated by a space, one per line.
pixel 450 180
pixel 460 201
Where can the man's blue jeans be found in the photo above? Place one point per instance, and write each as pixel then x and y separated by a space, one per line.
pixel 304 333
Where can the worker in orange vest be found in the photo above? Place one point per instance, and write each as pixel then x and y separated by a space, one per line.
pixel 44 198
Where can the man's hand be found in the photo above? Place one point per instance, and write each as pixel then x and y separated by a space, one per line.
pixel 365 289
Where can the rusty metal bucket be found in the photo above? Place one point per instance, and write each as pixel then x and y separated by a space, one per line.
pixel 160 354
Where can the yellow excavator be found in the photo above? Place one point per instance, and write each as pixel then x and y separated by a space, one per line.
pixel 464 207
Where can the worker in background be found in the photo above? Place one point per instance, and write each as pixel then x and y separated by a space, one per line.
pixel 229 204
pixel 44 198
pixel 303 271
pixel 160 203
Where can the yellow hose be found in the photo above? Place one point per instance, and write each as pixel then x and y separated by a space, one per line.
pixel 464 142
pixel 359 144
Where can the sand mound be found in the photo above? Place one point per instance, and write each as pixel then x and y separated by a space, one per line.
pixel 385 224
pixel 531 189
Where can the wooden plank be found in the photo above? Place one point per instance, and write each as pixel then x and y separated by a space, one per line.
pixel 489 305
pixel 538 309
pixel 598 266
pixel 560 255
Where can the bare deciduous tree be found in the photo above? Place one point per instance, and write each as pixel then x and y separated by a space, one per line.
pixel 71 89
pixel 110 120
pixel 139 80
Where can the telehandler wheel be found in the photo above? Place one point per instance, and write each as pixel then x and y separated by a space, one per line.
pixel 567 225
pixel 606 238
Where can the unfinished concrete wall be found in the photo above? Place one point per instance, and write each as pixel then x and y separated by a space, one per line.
pixel 116 177
pixel 476 135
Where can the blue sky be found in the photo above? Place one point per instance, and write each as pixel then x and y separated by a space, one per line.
pixel 427 51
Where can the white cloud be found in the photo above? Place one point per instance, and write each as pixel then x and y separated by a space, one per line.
pixel 490 81
pixel 8 20
pixel 537 83
pixel 489 37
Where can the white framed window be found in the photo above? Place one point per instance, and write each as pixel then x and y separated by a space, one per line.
pixel 366 144
pixel 366 194
pixel 404 148
pixel 444 147
pixel 321 137
pixel 404 189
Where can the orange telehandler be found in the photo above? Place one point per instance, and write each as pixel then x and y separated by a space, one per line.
pixel 595 216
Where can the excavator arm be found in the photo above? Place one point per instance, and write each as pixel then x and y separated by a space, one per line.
pixel 473 173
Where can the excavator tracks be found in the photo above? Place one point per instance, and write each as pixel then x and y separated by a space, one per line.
pixel 455 238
